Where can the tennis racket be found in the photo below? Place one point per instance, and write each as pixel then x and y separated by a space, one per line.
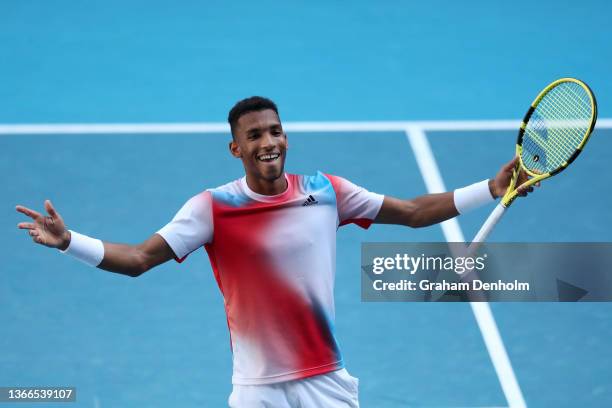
pixel 553 133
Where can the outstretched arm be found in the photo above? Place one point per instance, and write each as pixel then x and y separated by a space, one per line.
pixel 134 260
pixel 131 260
pixel 434 208
pixel 418 212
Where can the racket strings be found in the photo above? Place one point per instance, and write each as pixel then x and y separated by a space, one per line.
pixel 547 151
pixel 566 110
pixel 580 110
pixel 543 154
pixel 557 127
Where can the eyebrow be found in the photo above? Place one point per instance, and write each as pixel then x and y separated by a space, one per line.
pixel 257 129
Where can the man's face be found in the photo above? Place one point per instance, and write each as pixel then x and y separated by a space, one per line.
pixel 260 142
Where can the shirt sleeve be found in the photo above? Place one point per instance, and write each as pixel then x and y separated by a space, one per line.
pixel 191 227
pixel 355 204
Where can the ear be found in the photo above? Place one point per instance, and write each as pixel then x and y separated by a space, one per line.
pixel 235 149
pixel 286 142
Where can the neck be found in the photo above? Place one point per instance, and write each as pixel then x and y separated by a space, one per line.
pixel 266 187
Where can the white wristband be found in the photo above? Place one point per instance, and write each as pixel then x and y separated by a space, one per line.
pixel 472 196
pixel 85 249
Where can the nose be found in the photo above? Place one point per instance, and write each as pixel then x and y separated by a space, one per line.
pixel 267 141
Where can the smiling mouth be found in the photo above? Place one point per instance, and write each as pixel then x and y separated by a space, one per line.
pixel 269 157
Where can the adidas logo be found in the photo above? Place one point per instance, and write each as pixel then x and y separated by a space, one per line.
pixel 310 201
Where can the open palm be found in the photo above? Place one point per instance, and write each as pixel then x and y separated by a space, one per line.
pixel 45 230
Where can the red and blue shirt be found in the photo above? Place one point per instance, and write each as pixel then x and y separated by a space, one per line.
pixel 274 260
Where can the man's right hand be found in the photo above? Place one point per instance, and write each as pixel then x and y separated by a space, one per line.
pixel 46 230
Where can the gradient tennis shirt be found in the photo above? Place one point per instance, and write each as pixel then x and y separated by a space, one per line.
pixel 274 259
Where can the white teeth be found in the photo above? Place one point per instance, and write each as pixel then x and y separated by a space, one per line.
pixel 266 157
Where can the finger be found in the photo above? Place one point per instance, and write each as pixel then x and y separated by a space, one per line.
pixel 30 213
pixel 510 165
pixel 50 209
pixel 26 225
pixel 33 233
pixel 523 191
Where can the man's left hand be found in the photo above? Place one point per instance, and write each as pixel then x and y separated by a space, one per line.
pixel 499 184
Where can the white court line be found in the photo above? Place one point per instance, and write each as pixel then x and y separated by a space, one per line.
pixel 482 312
pixel 315 127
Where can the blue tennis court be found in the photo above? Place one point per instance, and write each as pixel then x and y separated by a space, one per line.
pixel 114 111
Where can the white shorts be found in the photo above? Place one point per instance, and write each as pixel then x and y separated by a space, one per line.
pixel 334 390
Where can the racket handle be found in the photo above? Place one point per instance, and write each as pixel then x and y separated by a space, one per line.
pixel 486 228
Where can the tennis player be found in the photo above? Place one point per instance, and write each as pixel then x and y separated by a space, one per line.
pixel 271 240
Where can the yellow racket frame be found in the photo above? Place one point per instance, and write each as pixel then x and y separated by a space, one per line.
pixel 512 191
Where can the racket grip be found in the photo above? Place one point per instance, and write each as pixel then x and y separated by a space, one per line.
pixel 486 228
